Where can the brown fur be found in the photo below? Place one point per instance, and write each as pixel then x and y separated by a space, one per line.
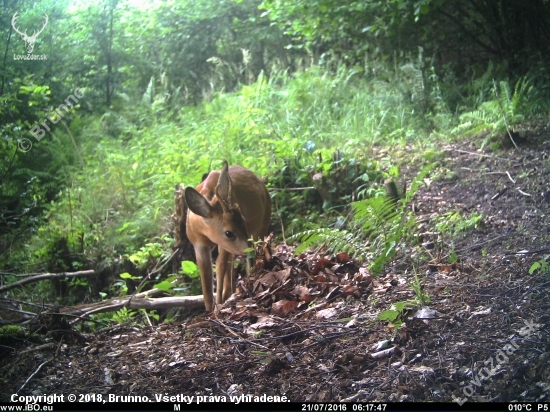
pixel 234 202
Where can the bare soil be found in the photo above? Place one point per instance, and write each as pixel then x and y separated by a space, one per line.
pixel 307 328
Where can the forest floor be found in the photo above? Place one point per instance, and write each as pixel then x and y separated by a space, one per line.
pixel 307 330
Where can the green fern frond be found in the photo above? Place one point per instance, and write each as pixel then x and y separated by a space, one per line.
pixel 332 239
pixel 417 79
pixel 378 229
pixel 507 109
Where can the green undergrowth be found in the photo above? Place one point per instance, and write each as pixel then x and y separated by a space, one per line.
pixel 119 191
pixel 315 135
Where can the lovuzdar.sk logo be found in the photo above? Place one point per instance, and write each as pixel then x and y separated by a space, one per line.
pixel 29 40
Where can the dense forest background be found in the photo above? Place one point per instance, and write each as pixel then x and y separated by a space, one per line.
pixel 164 91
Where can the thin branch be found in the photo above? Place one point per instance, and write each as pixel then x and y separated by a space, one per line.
pixel 472 36
pixel 47 276
pixel 290 189
pixel 9 166
pixel 534 252
pixel 476 154
pixel 33 374
pixel 4 63
pixel 75 146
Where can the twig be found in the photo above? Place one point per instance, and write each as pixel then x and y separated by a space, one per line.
pixel 325 338
pixel 534 252
pixel 290 189
pixel 280 287
pixel 492 173
pixel 217 322
pixel 385 353
pixel 147 317
pixel 479 244
pixel 8 169
pixel 59 346
pixel 77 318
pixel 535 288
pixel 476 154
pixel 522 192
pixel 38 348
pixel 155 271
pixel 361 393
pixel 148 277
pixel 74 144
pixel 47 276
pixel 34 373
pixel 21 312
pixel 317 307
pixel 5 299
pixel 500 193
pixel 281 221
pixel 282 230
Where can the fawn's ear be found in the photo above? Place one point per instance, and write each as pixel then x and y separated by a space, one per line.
pixel 223 189
pixel 197 203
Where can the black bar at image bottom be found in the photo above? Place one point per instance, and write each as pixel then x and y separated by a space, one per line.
pixel 198 405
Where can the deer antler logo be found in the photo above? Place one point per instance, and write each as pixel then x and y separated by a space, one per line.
pixel 29 40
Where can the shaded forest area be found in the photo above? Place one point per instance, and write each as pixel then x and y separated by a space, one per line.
pixel 442 105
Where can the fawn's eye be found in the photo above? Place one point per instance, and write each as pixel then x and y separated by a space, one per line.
pixel 230 235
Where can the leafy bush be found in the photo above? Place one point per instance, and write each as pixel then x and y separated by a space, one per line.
pixel 498 117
